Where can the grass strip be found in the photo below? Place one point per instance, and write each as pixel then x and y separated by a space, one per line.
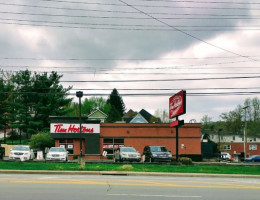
pixel 213 169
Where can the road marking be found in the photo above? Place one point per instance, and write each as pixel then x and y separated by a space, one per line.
pixel 135 183
pixel 156 195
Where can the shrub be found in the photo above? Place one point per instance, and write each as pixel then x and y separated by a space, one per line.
pixel 185 161
pixel 41 141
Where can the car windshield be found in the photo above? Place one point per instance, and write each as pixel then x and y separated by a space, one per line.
pixel 128 149
pixel 21 148
pixel 158 149
pixel 57 149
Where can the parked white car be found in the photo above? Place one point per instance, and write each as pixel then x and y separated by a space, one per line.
pixel 225 156
pixel 127 154
pixel 21 152
pixel 57 153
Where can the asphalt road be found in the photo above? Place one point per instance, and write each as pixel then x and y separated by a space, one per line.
pixel 96 187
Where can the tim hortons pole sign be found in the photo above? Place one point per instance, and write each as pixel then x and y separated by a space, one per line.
pixel 177 104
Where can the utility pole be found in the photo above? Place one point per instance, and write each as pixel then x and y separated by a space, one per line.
pixel 245 133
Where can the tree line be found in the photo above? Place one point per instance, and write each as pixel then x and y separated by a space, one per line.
pixel 233 122
pixel 27 100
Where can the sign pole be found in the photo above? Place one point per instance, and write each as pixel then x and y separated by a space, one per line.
pixel 177 141
pixel 177 106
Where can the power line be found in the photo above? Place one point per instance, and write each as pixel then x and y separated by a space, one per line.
pixel 133 17
pixel 138 68
pixel 129 12
pixel 185 33
pixel 198 2
pixel 123 59
pixel 121 29
pixel 141 74
pixel 161 80
pixel 124 5
pixel 121 26
pixel 126 59
pixel 141 94
pixel 171 1
pixel 163 89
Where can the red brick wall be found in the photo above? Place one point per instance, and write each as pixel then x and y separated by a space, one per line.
pixel 239 147
pixel 140 135
pixel 77 147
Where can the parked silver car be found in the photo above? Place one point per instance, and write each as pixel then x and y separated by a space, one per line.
pixel 21 152
pixel 127 154
pixel 57 153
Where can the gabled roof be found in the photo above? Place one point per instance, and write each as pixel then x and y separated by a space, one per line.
pixel 129 116
pixel 97 114
pixel 138 119
pixel 146 115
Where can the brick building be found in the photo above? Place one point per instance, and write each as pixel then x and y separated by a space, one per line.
pixel 234 144
pixel 97 138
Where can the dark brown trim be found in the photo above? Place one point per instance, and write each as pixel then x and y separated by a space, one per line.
pixel 147 126
pixel 149 137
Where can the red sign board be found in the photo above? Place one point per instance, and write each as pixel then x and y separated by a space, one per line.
pixel 177 104
pixel 177 123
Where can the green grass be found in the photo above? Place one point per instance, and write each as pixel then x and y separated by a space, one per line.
pixel 219 169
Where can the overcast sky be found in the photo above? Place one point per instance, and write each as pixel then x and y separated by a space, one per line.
pixel 208 48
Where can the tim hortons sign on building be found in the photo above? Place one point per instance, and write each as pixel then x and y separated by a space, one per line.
pixel 74 128
pixel 177 104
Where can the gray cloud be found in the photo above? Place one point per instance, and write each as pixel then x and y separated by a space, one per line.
pixel 97 47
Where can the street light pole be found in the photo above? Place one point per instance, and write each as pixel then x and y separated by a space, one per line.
pixel 245 133
pixel 79 94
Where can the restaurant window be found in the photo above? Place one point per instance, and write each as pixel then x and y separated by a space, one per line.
pixel 67 144
pixel 111 144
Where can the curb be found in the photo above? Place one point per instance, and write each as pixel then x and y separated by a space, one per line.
pixel 127 173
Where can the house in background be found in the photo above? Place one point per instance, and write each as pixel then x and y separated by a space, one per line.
pixel 130 117
pixel 234 144
pixel 97 115
pixel 140 117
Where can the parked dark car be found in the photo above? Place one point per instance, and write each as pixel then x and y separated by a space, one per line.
pixel 255 158
pixel 157 154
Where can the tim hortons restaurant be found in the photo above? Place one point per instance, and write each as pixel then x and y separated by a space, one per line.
pixel 98 138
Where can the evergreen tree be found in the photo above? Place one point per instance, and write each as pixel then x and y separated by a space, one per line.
pixel 117 104
pixel 50 100
pixel 113 115
pixel 5 97
pixel 22 101
pixel 35 98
